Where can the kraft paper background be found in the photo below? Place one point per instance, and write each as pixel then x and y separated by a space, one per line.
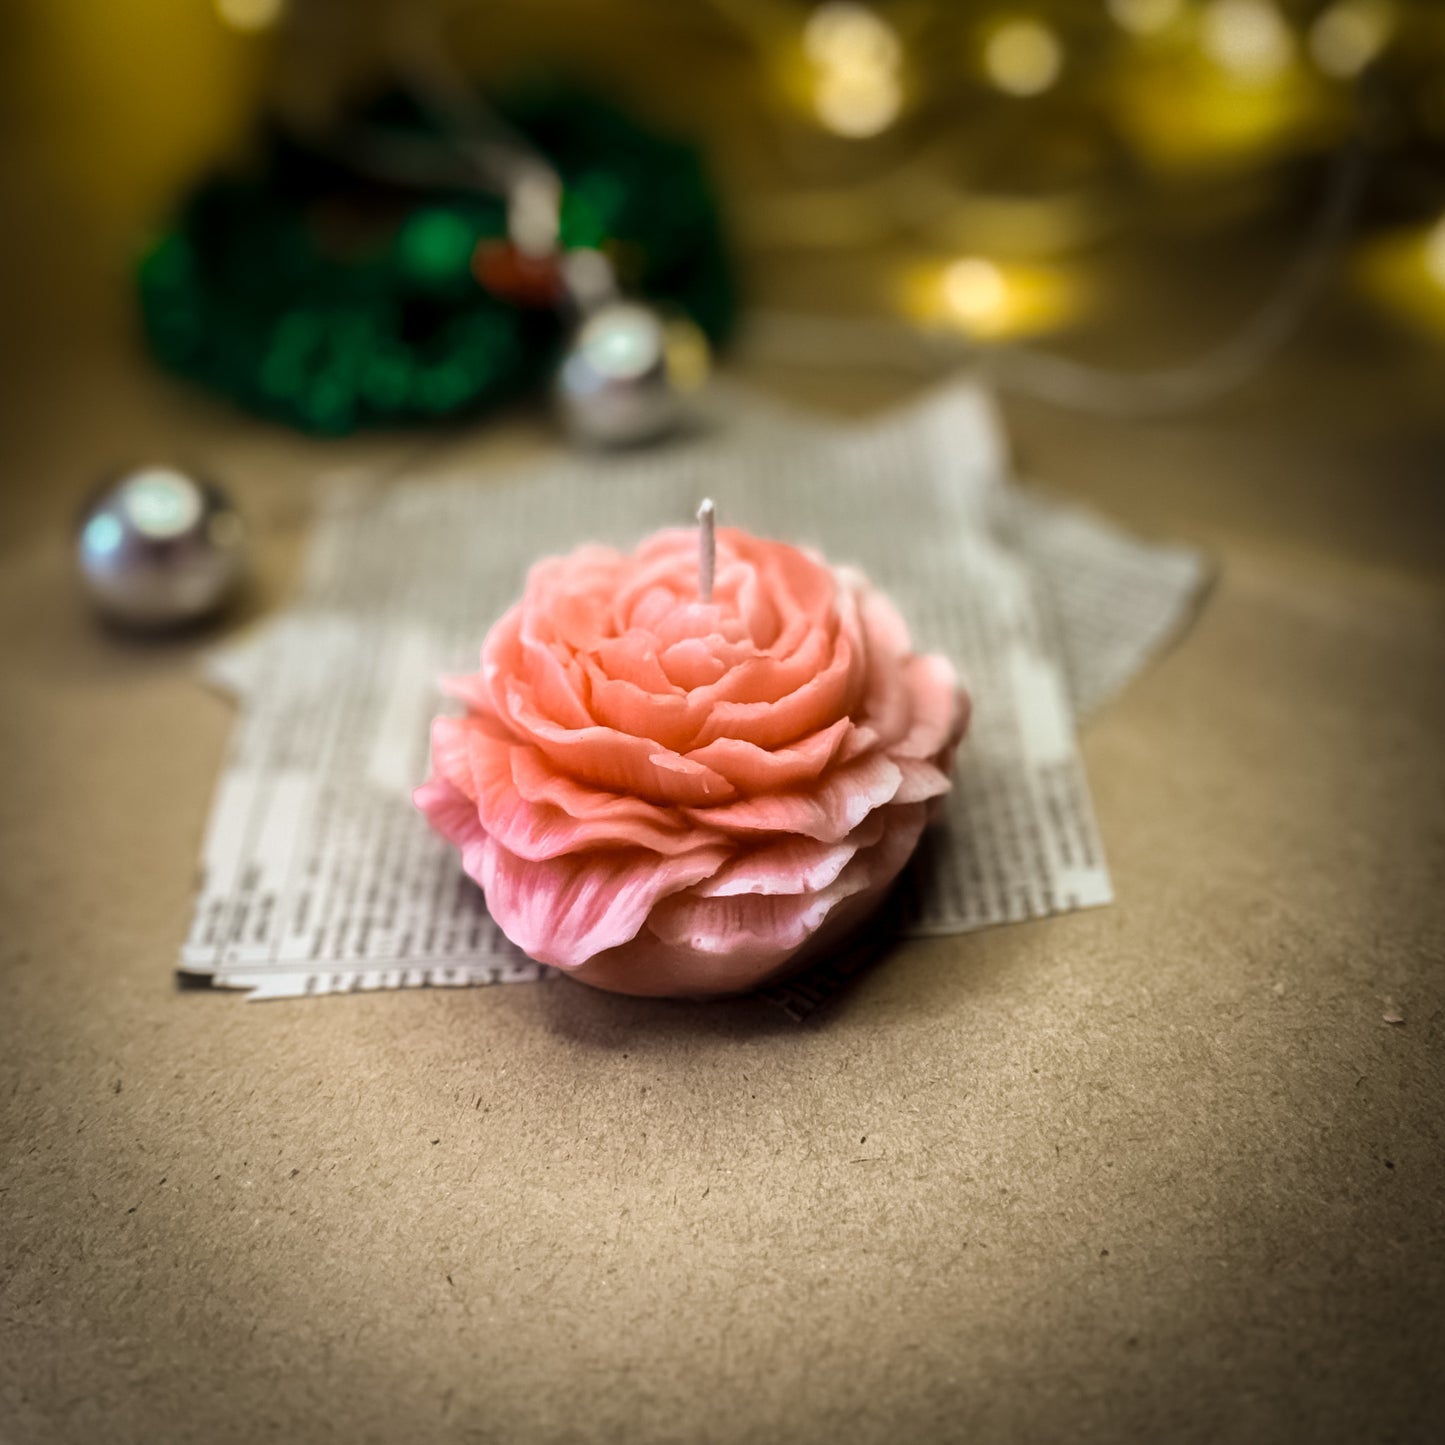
pixel 1157 1168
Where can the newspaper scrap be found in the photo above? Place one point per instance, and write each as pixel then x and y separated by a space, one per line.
pixel 1116 600
pixel 318 875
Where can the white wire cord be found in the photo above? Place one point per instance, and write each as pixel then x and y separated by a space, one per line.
pixel 809 340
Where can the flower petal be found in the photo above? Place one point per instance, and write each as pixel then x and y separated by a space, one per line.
pixel 449 811
pixel 633 655
pixel 921 781
pixel 772 923
pixel 791 865
pixel 536 827
pixel 669 718
pixel 539 782
pixel 752 953
pixel 761 770
pixel 940 708
pixel 692 662
pixel 828 813
pixel 557 685
pixel 469 688
pixel 822 699
pixel 887 705
pixel 565 910
pixel 451 754
pixel 618 762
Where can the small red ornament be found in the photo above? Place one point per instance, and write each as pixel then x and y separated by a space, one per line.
pixel 513 276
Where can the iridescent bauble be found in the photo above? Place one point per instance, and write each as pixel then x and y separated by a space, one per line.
pixel 627 373
pixel 157 548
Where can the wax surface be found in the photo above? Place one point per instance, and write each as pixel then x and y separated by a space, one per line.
pixel 667 796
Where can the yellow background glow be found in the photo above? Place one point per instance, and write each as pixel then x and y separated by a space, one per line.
pixel 1023 57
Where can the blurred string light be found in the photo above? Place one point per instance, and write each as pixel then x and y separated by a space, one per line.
pixel 988 300
pixel 1248 38
pixel 1023 57
pixel 250 16
pixel 857 108
pixel 1227 90
pixel 1145 17
pixel 841 35
pixel 857 59
pixel 974 290
pixel 1435 253
pixel 1404 272
pixel 1351 34
pixel 1233 94
pixel 953 309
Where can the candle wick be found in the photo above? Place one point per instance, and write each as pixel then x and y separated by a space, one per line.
pixel 706 547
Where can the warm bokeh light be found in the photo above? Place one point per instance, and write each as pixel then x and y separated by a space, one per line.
pixel 250 16
pixel 844 36
pixel 1023 57
pixel 1404 272
pixel 989 300
pixel 1205 120
pixel 1248 38
pixel 856 57
pixel 1435 253
pixel 858 106
pixel 1349 35
pixel 1145 17
pixel 975 290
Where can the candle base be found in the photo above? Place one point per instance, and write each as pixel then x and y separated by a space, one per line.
pixel 650 968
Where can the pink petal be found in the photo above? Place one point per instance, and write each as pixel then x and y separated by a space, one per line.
pixel 451 753
pixel 887 631
pixel 574 593
pixel 739 582
pixel 886 859
pixel 921 781
pixel 822 699
pixel 449 811
pixel 539 782
pixel 648 610
pixel 633 655
pixel 791 865
pixel 759 770
pixel 557 686
pixel 502 659
pixel 861 740
pixel 615 761
pixel 828 813
pixel 565 910
pixel 669 718
pixel 767 676
pixel 752 923
pixel 940 708
pixel 887 705
pixel 648 965
pixel 468 688
pixel 794 575
pixel 689 618
pixel 536 829
pixel 691 663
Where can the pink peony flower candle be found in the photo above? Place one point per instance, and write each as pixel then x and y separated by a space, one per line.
pixel 692 769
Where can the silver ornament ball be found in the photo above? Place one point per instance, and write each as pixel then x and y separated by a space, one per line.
pixel 627 374
pixel 158 548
